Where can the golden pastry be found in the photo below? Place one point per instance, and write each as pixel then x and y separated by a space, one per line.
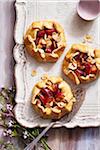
pixel 45 40
pixel 52 97
pixel 82 63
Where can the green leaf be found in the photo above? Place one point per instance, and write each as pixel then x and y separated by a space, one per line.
pixel 45 145
pixel 14 133
pixel 3 109
pixel 10 146
pixel 7 95
pixel 16 126
pixel 35 132
pixel 2 99
pixel 1 141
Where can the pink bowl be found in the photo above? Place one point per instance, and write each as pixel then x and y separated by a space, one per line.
pixel 88 9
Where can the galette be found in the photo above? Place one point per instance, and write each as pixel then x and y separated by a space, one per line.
pixel 45 40
pixel 82 63
pixel 52 97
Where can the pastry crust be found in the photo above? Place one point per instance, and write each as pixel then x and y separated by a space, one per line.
pixel 45 40
pixel 82 63
pixel 52 97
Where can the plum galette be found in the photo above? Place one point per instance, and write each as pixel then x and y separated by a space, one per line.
pixel 52 97
pixel 82 63
pixel 45 40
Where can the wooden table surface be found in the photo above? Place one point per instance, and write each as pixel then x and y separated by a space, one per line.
pixel 59 139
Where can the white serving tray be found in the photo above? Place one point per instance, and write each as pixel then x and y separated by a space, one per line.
pixel 75 28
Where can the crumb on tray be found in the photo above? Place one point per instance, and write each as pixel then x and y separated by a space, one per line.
pixel 33 73
pixel 88 38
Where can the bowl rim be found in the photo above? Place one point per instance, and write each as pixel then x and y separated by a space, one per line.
pixel 86 19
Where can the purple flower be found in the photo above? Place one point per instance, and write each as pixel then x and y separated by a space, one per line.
pixel 9 107
pixel 7 132
pixel 10 123
pixel 25 135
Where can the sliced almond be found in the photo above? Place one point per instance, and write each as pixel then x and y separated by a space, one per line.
pixel 42 53
pixel 72 66
pixel 54 55
pixel 43 41
pixel 48 43
pixel 61 104
pixel 48 111
pixel 33 72
pixel 40 84
pixel 56 37
pixel 56 109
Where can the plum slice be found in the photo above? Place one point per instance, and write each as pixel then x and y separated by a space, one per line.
pixel 47 92
pixel 48 50
pixel 50 31
pixel 87 68
pixel 47 95
pixel 80 72
pixel 94 69
pixel 41 34
pixel 84 67
pixel 43 99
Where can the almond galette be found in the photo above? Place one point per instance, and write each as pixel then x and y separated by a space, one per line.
pixel 45 40
pixel 52 97
pixel 82 63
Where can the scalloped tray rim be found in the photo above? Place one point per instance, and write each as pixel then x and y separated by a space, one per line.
pixel 85 122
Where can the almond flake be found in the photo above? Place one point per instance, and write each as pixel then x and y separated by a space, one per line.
pixel 43 41
pixel 72 66
pixel 88 38
pixel 48 43
pixel 56 37
pixel 48 111
pixel 54 55
pixel 33 73
pixel 42 53
pixel 56 109
pixel 61 104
